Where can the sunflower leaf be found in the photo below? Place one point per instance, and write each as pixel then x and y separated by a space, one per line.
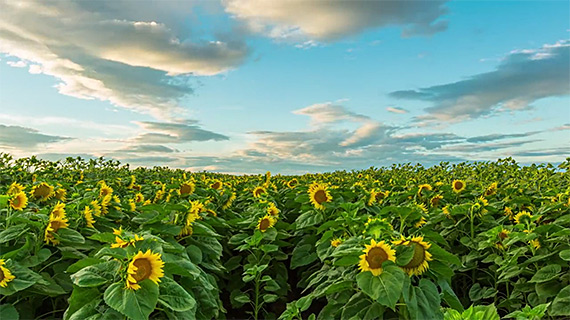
pixel 135 304
pixel 386 288
pixel 173 296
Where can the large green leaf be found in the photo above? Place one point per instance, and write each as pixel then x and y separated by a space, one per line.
pixel 303 255
pixel 96 275
pixel 174 297
pixel 79 298
pixel 423 301
pixel 8 312
pixel 13 232
pixel 24 278
pixel 561 304
pixel 385 288
pixel 135 304
pixel 547 273
pixel 308 219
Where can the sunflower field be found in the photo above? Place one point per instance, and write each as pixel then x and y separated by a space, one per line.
pixel 94 239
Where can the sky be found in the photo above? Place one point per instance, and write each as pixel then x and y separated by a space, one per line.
pixel 249 86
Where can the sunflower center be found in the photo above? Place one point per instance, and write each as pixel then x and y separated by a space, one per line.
pixel 1 275
pixel 55 225
pixel 419 256
pixel 379 196
pixel 375 257
pixel 17 201
pixel 216 185
pixel 458 185
pixel 41 191
pixel 264 224
pixel 144 269
pixel 185 189
pixel 320 196
pixel 292 183
pixel 503 235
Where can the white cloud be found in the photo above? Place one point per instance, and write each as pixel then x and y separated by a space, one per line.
pixel 396 110
pixel 331 20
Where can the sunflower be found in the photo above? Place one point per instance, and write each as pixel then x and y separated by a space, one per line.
pixel 54 224
pixel 96 208
pixel 446 211
pixel 230 201
pixel 319 194
pixel 132 205
pixel 420 222
pixel 266 223
pixel 336 242
pixel 376 196
pixel 458 185
pixel 121 243
pixel 118 232
pixel 423 187
pixel 139 197
pixel 374 255
pixel 501 235
pixel 522 216
pixel 435 200
pixel 42 191
pixel 59 210
pixel 60 194
pixel 491 190
pixel 187 188
pixel 19 201
pixel 105 202
pixel 292 183
pixel 15 188
pixel 272 209
pixel 509 213
pixel 375 227
pixel 419 263
pixel 5 275
pixel 258 191
pixel 105 190
pixel 535 243
pixel 144 266
pixel 88 216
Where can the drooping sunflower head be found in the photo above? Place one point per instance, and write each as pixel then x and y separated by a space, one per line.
pixel 139 197
pixel 144 266
pixel 376 196
pixel 491 190
pixel 523 217
pixel 374 255
pixel 319 194
pixel 5 274
pixel 19 201
pixel 88 214
pixel 54 224
pixel 230 201
pixel 458 185
pixel 419 262
pixel 60 194
pixel 266 222
pixel 435 200
pixel 422 187
pixel 503 234
pixel 105 190
pixel 15 188
pixel 42 191
pixel 272 209
pixel 96 208
pixel 187 187
pixel 59 210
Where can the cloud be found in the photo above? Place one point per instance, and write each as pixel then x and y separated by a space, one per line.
pixel 100 50
pixel 397 110
pixel 175 132
pixel 332 20
pixel 563 151
pixel 522 78
pixel 22 138
pixel 497 136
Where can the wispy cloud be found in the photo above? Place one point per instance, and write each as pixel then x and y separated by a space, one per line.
pixel 22 138
pixel 397 110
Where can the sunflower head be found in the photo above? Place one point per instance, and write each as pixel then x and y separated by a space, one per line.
pixel 535 243
pixel 419 262
pixel 144 266
pixel 59 210
pixel 42 191
pixel 105 190
pixel 54 224
pixel 187 188
pixel 434 202
pixel 422 187
pixel 509 213
pixel 523 217
pixel 375 227
pixel 336 242
pixel 15 188
pixel 258 191
pixel 216 185
pixel 5 274
pixel 491 190
pixel 458 185
pixel 266 222
pixel 87 213
pixel 272 209
pixel 19 201
pixel 319 194
pixel 292 183
pixel 374 255
pixel 60 194
pixel 230 201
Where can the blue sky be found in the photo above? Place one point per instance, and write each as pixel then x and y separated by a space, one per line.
pixel 288 86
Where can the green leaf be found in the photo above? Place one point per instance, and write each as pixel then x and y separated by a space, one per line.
pixel 82 264
pixel 440 254
pixel 40 257
pixel 547 273
pixel 86 311
pixel 339 286
pixel 477 292
pixel 96 275
pixel 423 302
pixel 385 288
pixel 308 219
pixel 13 232
pixel 239 298
pixel 268 298
pixel 24 278
pixel 194 253
pixel 303 255
pixel 565 254
pixel 80 297
pixel 561 304
pixel 404 255
pixel 481 312
pixel 8 312
pixel 173 296
pixel 449 296
pixel 348 260
pixel 70 236
pixel 135 304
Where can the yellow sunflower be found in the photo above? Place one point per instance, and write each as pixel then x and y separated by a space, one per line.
pixel 272 209
pixel 132 205
pixel 96 208
pixel 5 274
pixel 217 185
pixel 423 187
pixel 42 191
pixel 419 263
pixel 522 216
pixel 491 190
pixel 319 194
pixel 19 201
pixel 54 224
pixel 118 232
pixel 458 185
pixel 292 183
pixel 139 197
pixel 535 243
pixel 435 200
pixel 509 213
pixel 374 255
pixel 420 222
pixel 258 191
pixel 336 242
pixel 144 266
pixel 105 190
pixel 59 210
pixel 121 243
pixel 87 213
pixel 502 235
pixel 187 188
pixel 60 194
pixel 15 188
pixel 230 201
pixel 266 223
pixel 376 196
pixel 105 202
